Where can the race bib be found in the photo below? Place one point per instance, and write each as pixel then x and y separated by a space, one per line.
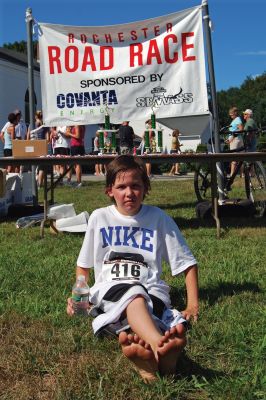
pixel 118 270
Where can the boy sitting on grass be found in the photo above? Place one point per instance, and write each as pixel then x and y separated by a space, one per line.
pixel 126 243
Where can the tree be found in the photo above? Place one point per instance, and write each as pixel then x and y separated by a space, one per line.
pixel 251 94
pixel 21 47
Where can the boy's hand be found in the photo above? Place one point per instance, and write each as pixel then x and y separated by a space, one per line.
pixel 191 313
pixel 70 309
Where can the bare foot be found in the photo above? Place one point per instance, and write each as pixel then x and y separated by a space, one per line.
pixel 169 349
pixel 140 354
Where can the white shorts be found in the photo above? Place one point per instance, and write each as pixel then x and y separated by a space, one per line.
pixel 109 307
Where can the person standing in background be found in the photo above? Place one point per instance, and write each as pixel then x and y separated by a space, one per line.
pixel 77 148
pixel 7 135
pixel 21 127
pixel 148 127
pixel 235 141
pixel 61 137
pixel 96 150
pixel 250 125
pixel 126 136
pixel 175 149
pixel 41 132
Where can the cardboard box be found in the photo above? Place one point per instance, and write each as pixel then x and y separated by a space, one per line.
pixel 11 183
pixel 18 190
pixel 29 148
pixel 26 185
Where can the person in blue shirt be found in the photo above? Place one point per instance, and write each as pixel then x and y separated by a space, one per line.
pixel 235 141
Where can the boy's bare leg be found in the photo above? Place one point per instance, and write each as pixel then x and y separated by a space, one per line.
pixel 141 322
pixel 140 354
pixel 170 348
pixel 167 347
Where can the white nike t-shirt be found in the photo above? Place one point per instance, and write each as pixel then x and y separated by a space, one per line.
pixel 149 237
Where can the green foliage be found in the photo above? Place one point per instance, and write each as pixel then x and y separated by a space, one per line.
pixel 201 148
pixel 46 355
pixel 163 168
pixel 261 143
pixel 21 47
pixel 251 94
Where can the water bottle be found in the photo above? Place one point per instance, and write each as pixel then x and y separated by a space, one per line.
pixel 80 296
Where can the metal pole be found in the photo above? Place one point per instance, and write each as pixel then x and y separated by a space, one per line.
pixel 29 23
pixel 217 147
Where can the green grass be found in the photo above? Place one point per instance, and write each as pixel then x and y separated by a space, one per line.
pixel 44 354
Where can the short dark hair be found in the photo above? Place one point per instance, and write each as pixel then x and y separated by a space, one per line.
pixel 123 163
pixel 12 118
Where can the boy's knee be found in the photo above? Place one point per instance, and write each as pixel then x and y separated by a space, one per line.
pixel 139 299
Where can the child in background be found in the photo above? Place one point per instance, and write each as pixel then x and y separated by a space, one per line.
pixel 96 151
pixel 148 127
pixel 126 243
pixel 175 149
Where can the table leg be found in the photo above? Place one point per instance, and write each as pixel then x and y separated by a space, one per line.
pixel 52 186
pixel 45 202
pixel 214 192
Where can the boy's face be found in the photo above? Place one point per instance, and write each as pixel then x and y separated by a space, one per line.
pixel 128 192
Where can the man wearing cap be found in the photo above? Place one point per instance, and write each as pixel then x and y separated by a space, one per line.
pixel 21 128
pixel 250 125
pixel 126 136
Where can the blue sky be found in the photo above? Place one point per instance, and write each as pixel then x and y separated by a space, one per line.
pixel 238 38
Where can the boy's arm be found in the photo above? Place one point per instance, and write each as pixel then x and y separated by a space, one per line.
pixel 83 271
pixel 192 309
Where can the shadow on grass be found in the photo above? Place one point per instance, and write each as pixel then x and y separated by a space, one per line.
pixel 243 222
pixel 192 370
pixel 212 294
pixel 188 368
pixel 209 222
pixel 195 223
pixel 176 206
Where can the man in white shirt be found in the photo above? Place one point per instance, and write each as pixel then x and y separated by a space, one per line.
pixel 21 127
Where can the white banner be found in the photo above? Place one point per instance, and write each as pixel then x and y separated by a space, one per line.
pixel 127 70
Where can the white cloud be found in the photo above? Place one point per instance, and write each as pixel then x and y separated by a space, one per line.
pixel 255 76
pixel 252 53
